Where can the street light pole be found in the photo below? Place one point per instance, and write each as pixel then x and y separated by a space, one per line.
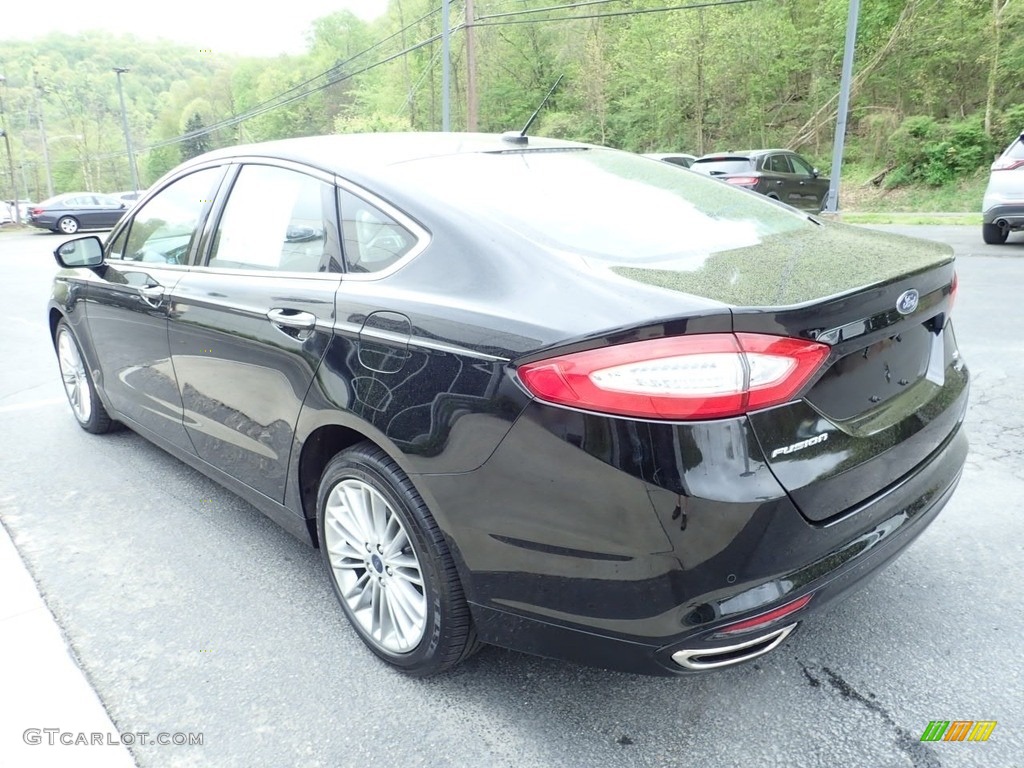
pixel 832 199
pixel 446 66
pixel 10 157
pixel 127 135
pixel 42 133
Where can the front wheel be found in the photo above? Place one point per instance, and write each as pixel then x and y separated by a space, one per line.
pixel 993 234
pixel 85 405
pixel 389 564
pixel 68 225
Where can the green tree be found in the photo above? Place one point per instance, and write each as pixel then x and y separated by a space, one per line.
pixel 195 142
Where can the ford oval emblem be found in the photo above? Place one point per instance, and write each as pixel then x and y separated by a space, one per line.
pixel 907 302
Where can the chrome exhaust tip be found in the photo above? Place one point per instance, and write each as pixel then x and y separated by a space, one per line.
pixel 727 655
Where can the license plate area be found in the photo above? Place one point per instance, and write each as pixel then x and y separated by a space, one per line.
pixel 870 377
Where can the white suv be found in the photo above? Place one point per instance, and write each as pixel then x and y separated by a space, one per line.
pixel 1003 204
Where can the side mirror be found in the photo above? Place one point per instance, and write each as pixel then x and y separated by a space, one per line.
pixel 80 252
pixel 815 172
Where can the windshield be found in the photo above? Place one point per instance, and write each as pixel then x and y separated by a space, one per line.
pixel 603 204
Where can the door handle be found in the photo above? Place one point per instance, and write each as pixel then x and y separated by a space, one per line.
pixel 152 294
pixel 292 318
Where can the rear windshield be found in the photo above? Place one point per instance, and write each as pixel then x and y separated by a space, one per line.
pixel 603 204
pixel 1015 150
pixel 730 165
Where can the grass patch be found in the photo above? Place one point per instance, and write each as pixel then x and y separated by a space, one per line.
pixel 859 195
pixel 873 217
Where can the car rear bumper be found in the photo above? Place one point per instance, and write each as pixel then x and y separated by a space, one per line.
pixel 1011 213
pixel 565 557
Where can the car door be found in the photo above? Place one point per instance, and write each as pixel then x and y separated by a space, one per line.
pixel 811 188
pixel 250 324
pixel 128 307
pixel 107 212
pixel 779 179
pixel 87 212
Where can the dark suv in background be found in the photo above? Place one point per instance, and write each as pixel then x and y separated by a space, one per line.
pixel 1003 205
pixel 777 173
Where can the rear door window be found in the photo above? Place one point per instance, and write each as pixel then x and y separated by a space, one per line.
pixel 279 220
pixel 374 240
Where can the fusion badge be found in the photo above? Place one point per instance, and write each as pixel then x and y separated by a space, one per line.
pixel 801 445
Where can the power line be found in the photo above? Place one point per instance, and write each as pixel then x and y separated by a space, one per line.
pixel 334 74
pixel 327 73
pixel 481 20
pixel 276 101
pixel 549 8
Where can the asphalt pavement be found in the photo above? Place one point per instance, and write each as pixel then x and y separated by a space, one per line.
pixel 189 613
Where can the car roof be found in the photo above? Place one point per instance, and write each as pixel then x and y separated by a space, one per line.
pixel 742 154
pixel 662 155
pixel 370 151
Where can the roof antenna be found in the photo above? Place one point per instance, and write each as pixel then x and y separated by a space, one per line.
pixel 520 138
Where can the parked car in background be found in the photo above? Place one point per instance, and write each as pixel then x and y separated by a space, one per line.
pixel 1002 207
pixel 653 426
pixel 73 211
pixel 776 173
pixel 7 209
pixel 675 158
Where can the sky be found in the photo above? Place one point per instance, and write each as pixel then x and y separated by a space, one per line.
pixel 262 29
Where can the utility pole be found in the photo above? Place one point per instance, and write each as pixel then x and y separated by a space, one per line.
pixel 832 201
pixel 446 66
pixel 472 107
pixel 42 133
pixel 10 157
pixel 127 134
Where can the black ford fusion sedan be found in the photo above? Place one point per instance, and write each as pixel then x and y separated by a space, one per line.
pixel 527 392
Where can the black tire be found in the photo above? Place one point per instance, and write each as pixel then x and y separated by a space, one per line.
pixel 993 234
pixel 444 634
pixel 67 225
pixel 86 406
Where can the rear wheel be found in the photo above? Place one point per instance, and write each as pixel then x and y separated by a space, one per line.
pixel 68 225
pixel 993 234
pixel 389 564
pixel 85 405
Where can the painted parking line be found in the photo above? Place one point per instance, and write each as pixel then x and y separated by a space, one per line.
pixel 33 404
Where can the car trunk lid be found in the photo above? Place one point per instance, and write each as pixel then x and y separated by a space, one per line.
pixel 893 388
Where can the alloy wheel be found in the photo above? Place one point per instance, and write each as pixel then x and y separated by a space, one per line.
pixel 76 381
pixel 375 565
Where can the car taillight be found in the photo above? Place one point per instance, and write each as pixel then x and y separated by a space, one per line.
pixel 703 376
pixel 1007 164
pixel 953 287
pixel 37 211
pixel 742 181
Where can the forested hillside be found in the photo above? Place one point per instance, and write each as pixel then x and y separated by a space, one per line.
pixel 936 87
